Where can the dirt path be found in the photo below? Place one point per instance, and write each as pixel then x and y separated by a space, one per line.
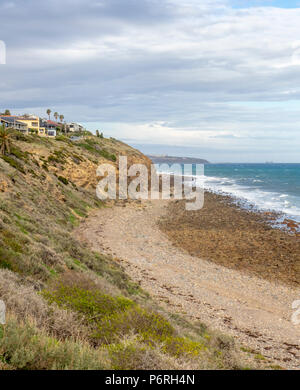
pixel 256 312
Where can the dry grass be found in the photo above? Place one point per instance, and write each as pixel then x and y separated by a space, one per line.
pixel 23 301
pixel 24 347
pixel 131 354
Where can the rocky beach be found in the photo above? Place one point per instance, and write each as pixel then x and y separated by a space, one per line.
pixel 223 266
pixel 237 238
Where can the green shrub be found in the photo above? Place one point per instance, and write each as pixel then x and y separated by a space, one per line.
pixel 13 163
pixel 17 152
pixel 21 137
pixel 58 157
pixel 107 155
pixel 149 326
pixel 63 180
pixel 9 259
pixel 115 317
pixel 45 166
pixel 63 138
pixel 17 242
pixel 178 346
pixel 92 304
pixel 86 146
pixel 77 159
pixel 92 146
pixel 6 258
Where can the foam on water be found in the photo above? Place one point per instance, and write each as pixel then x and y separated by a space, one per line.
pixel 268 187
pixel 262 200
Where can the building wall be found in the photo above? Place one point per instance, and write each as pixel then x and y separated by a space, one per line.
pixel 17 126
pixel 32 123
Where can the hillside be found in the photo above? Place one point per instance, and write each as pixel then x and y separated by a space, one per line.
pixel 67 306
pixel 176 160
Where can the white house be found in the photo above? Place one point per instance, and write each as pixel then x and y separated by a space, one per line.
pixel 74 127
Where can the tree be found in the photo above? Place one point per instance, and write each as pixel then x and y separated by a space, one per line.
pixel 6 112
pixel 49 112
pixel 61 118
pixel 97 133
pixel 101 135
pixel 5 140
pixel 56 116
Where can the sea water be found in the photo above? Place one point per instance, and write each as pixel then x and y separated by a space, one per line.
pixel 268 187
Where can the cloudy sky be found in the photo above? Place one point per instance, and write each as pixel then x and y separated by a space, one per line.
pixel 218 79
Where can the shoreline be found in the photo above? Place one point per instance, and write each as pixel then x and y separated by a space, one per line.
pixel 254 310
pixel 276 219
pixel 281 219
pixel 239 238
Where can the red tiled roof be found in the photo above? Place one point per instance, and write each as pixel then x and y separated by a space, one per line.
pixel 54 123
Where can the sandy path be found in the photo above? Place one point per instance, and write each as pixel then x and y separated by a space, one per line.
pixel 255 311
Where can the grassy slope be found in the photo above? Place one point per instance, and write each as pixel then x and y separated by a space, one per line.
pixel 70 308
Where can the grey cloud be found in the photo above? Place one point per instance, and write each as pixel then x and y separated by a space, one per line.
pixel 55 22
pixel 181 63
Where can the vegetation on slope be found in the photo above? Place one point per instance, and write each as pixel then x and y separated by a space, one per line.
pixel 68 307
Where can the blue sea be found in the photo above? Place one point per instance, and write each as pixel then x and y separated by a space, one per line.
pixel 269 187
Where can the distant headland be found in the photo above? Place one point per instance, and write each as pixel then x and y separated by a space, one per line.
pixel 161 159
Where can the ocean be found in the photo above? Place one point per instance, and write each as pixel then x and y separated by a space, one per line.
pixel 268 187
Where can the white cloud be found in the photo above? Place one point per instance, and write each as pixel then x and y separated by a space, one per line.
pixel 184 66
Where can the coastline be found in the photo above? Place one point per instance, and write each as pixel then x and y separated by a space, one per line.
pixel 236 237
pixel 247 304
pixel 275 219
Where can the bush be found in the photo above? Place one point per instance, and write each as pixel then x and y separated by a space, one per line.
pixel 24 302
pixel 17 152
pixel 130 354
pixel 63 138
pixel 92 304
pixel 112 318
pixel 93 147
pixel 63 180
pixel 26 348
pixel 108 156
pixel 13 163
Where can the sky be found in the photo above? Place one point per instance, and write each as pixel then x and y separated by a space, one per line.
pixel 215 79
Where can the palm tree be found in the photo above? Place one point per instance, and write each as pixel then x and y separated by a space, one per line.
pixel 4 140
pixel 56 116
pixel 48 113
pixel 61 118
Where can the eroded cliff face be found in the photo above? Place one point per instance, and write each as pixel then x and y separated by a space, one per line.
pixel 83 172
pixel 75 163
